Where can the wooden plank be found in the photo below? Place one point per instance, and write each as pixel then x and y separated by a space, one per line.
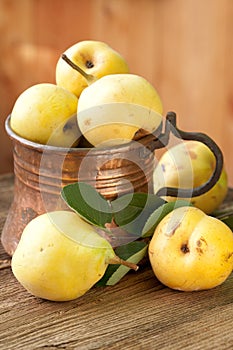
pixel 137 313
pixel 196 43
pixel 183 47
pixel 13 15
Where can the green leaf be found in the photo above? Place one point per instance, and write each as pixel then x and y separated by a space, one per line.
pixel 133 252
pixel 228 221
pixel 225 214
pixel 159 214
pixel 88 203
pixel 131 211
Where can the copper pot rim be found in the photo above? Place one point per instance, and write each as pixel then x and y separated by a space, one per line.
pixel 101 150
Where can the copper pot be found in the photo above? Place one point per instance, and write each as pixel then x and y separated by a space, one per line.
pixel 41 171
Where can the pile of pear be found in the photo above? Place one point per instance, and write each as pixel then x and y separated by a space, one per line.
pixel 97 102
pixel 95 98
pixel 60 256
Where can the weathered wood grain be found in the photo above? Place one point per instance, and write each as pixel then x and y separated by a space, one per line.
pixel 136 314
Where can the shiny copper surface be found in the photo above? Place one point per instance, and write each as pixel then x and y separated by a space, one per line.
pixel 41 171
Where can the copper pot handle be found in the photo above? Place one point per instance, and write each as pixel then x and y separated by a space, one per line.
pixel 162 140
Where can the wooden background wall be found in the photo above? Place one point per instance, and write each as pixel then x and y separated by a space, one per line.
pixel 183 47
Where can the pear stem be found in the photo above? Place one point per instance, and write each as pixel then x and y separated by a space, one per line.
pixel 117 260
pixel 89 77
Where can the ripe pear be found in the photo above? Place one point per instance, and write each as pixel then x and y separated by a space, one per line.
pixel 112 109
pixel 96 58
pixel 60 256
pixel 188 165
pixel 191 251
pixel 46 113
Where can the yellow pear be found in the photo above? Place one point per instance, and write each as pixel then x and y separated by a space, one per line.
pixel 191 251
pixel 60 256
pixel 112 109
pixel 188 165
pixel 46 113
pixel 93 57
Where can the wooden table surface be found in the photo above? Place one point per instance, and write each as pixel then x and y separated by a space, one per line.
pixel 137 313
